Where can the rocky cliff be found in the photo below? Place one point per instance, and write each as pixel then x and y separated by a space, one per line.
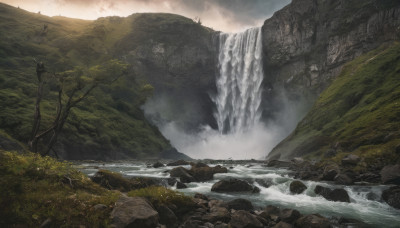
pixel 307 43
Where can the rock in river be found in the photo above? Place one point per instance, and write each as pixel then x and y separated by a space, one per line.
pixel 297 187
pixel 234 185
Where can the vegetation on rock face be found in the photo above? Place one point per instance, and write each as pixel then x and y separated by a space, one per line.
pixel 358 113
pixel 109 124
pixel 34 189
pixel 159 195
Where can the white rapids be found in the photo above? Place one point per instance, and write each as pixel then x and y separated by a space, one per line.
pixel 374 212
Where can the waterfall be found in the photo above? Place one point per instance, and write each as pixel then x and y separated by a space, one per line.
pixel 239 81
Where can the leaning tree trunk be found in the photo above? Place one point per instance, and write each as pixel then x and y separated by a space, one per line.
pixel 40 69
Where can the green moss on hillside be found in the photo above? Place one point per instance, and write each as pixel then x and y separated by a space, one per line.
pixel 359 112
pixel 34 189
pixel 107 125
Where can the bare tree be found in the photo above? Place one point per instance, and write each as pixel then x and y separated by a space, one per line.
pixel 73 87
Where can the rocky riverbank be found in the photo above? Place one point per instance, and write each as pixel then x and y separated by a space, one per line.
pixel 206 211
pixel 350 171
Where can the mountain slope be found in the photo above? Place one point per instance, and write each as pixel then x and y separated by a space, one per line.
pixel 109 124
pixel 358 113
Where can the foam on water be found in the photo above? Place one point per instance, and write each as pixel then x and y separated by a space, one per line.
pixel 375 213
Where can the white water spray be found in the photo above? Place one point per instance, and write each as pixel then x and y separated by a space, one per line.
pixel 240 134
pixel 239 81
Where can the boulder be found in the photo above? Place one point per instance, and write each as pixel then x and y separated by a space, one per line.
pixel 167 217
pixel 392 196
pixel 278 164
pixel 201 196
pixel 337 195
pixel 272 210
pixel 178 163
pixel 330 172
pixel 297 187
pixel 322 191
pixel 351 159
pixel 243 219
pixel 390 174
pixel 289 215
pixel 205 173
pixel 312 221
pixel 283 225
pixel 240 204
pixel 134 212
pixel 234 185
pixel 217 214
pixel 182 173
pixel 158 165
pixel 171 181
pixel 343 179
pixel 180 185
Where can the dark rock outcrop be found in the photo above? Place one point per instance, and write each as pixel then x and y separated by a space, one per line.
pixel 243 219
pixel 202 172
pixel 158 165
pixel 289 215
pixel 180 185
pixel 240 204
pixel 390 174
pixel 392 196
pixel 182 173
pixel 134 212
pixel 330 172
pixel 339 195
pixel 297 187
pixel 234 185
pixel 178 163
pixel 312 221
pixel 343 179
pixel 217 214
pixel 167 216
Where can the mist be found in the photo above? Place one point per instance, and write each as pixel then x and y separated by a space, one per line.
pixel 204 142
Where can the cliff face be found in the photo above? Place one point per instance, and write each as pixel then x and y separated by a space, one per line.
pixel 177 57
pixel 307 43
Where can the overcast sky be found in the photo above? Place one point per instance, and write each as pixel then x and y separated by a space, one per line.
pixel 222 15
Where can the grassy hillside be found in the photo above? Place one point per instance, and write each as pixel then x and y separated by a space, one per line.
pixel 110 123
pixel 358 113
pixel 36 189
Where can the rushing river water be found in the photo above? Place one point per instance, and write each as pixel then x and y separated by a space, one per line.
pixel 373 212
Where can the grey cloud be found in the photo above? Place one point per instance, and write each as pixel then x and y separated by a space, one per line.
pixel 225 15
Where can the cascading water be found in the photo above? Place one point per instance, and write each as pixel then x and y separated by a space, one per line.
pixel 240 133
pixel 239 81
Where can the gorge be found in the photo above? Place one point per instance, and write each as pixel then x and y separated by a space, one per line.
pixel 291 123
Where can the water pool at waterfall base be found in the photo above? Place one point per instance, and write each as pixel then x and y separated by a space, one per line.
pixel 374 213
